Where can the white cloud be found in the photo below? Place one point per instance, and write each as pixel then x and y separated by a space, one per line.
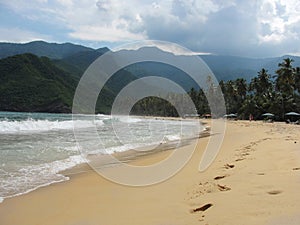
pixel 18 35
pixel 279 17
pixel 114 20
pixel 66 3
pixel 108 34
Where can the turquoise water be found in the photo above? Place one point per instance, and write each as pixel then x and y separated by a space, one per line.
pixel 35 147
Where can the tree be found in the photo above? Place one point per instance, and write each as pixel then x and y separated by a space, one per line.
pixel 241 87
pixel 296 72
pixel 285 81
pixel 285 85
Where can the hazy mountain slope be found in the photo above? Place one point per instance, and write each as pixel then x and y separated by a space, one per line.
pixel 232 67
pixel 41 48
pixel 82 60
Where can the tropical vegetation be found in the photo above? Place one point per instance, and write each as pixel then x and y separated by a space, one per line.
pixel 277 94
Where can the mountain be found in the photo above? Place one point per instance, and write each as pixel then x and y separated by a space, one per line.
pixel 232 67
pixel 32 84
pixel 78 62
pixel 76 58
pixel 41 48
pixel 45 78
pixel 223 67
pixel 76 65
pixel 144 69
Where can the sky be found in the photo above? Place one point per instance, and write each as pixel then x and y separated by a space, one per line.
pixel 249 28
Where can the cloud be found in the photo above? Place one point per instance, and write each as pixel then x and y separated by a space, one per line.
pixel 249 28
pixel 18 35
pixel 108 34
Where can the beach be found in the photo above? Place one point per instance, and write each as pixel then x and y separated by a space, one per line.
pixel 255 179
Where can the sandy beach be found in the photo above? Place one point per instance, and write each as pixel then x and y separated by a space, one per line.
pixel 255 179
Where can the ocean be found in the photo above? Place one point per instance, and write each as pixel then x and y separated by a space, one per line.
pixel 36 147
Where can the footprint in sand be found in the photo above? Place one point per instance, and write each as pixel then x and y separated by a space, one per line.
pixel 239 159
pixel 223 188
pixel 202 208
pixel 245 154
pixel 274 192
pixel 228 166
pixel 220 177
pixel 206 188
pixel 260 174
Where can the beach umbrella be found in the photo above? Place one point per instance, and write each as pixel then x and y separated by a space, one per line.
pixel 207 115
pixel 268 114
pixel 230 115
pixel 292 114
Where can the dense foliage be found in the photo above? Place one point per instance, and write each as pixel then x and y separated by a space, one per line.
pixel 276 94
pixel 30 83
pixel 154 106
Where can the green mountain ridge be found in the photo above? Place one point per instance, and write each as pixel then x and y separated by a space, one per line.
pixel 33 84
pixel 38 84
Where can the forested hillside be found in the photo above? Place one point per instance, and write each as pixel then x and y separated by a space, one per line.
pixel 33 84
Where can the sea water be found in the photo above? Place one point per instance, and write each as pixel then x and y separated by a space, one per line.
pixel 36 147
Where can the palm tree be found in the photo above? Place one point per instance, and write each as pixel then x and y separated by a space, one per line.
pixel 297 87
pixel 262 83
pixel 241 87
pixel 296 72
pixel 261 90
pixel 285 84
pixel 264 80
pixel 285 77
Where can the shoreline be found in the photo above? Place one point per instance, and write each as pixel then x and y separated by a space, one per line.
pixel 254 180
pixel 122 156
pixel 132 156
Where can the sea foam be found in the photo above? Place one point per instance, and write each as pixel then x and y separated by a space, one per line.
pixel 33 177
pixel 33 126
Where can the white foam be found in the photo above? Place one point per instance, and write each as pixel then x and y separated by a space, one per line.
pixel 172 137
pixel 54 167
pixel 128 119
pixel 1 199
pixel 121 148
pixel 31 125
pixel 32 177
